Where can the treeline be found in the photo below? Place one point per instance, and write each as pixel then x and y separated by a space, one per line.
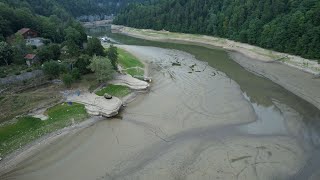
pixel 52 27
pixel 66 51
pixel 58 32
pixel 40 7
pixel 92 7
pixel 75 8
pixel 291 26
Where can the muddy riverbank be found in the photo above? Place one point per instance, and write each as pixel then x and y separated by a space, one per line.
pixel 196 123
pixel 291 74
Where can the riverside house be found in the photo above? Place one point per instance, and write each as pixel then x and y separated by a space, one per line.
pixel 31 59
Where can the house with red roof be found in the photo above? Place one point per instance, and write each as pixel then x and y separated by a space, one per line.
pixel 31 59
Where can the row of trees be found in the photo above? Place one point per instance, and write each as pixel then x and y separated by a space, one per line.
pixel 66 8
pixel 291 26
pixel 103 65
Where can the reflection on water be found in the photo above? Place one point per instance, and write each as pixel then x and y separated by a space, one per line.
pixel 270 121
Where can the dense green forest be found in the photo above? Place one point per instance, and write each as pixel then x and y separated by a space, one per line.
pixel 291 26
pixel 65 50
pixel 75 8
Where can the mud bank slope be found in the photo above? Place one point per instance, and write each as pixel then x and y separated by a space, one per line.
pixel 299 82
pixel 191 125
pixel 295 73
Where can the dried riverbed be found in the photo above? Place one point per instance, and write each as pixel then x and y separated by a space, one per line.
pixel 195 123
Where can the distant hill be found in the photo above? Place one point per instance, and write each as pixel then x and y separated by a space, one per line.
pixel 291 26
pixel 72 7
pixel 50 17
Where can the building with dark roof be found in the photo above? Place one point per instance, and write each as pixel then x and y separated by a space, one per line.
pixel 28 33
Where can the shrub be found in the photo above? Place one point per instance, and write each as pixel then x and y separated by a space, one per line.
pixel 3 75
pixel 112 54
pixel 17 73
pixel 95 47
pixel 82 63
pixel 75 74
pixel 102 68
pixel 51 69
pixel 64 68
pixel 49 52
pixel 46 41
pixel 29 70
pixel 67 79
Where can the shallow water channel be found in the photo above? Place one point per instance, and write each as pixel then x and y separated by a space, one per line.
pixel 261 92
pixel 221 122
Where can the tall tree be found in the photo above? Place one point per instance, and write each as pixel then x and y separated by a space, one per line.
pixel 94 47
pixel 6 53
pixel 112 54
pixel 102 68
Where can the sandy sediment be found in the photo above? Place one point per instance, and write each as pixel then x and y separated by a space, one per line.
pixel 11 161
pixel 129 81
pixel 299 82
pixel 192 125
pixel 296 74
pixel 95 105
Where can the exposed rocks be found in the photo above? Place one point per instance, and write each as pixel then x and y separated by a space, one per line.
pixel 107 105
pixel 144 78
pixel 98 105
pixel 176 63
pixel 107 96
pixel 131 82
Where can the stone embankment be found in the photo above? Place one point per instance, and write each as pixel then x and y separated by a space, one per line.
pixel 99 105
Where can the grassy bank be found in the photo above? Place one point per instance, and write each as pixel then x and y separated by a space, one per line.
pixel 130 64
pixel 27 129
pixel 114 90
pixel 14 104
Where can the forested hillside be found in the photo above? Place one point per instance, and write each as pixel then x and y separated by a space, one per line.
pixel 52 26
pixel 73 7
pixel 291 26
pixel 49 17
pixel 57 29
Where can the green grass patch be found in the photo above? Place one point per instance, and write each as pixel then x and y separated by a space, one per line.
pixel 114 90
pixel 130 63
pixel 28 129
pixel 12 105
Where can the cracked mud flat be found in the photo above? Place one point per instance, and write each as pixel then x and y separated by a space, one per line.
pixel 195 123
